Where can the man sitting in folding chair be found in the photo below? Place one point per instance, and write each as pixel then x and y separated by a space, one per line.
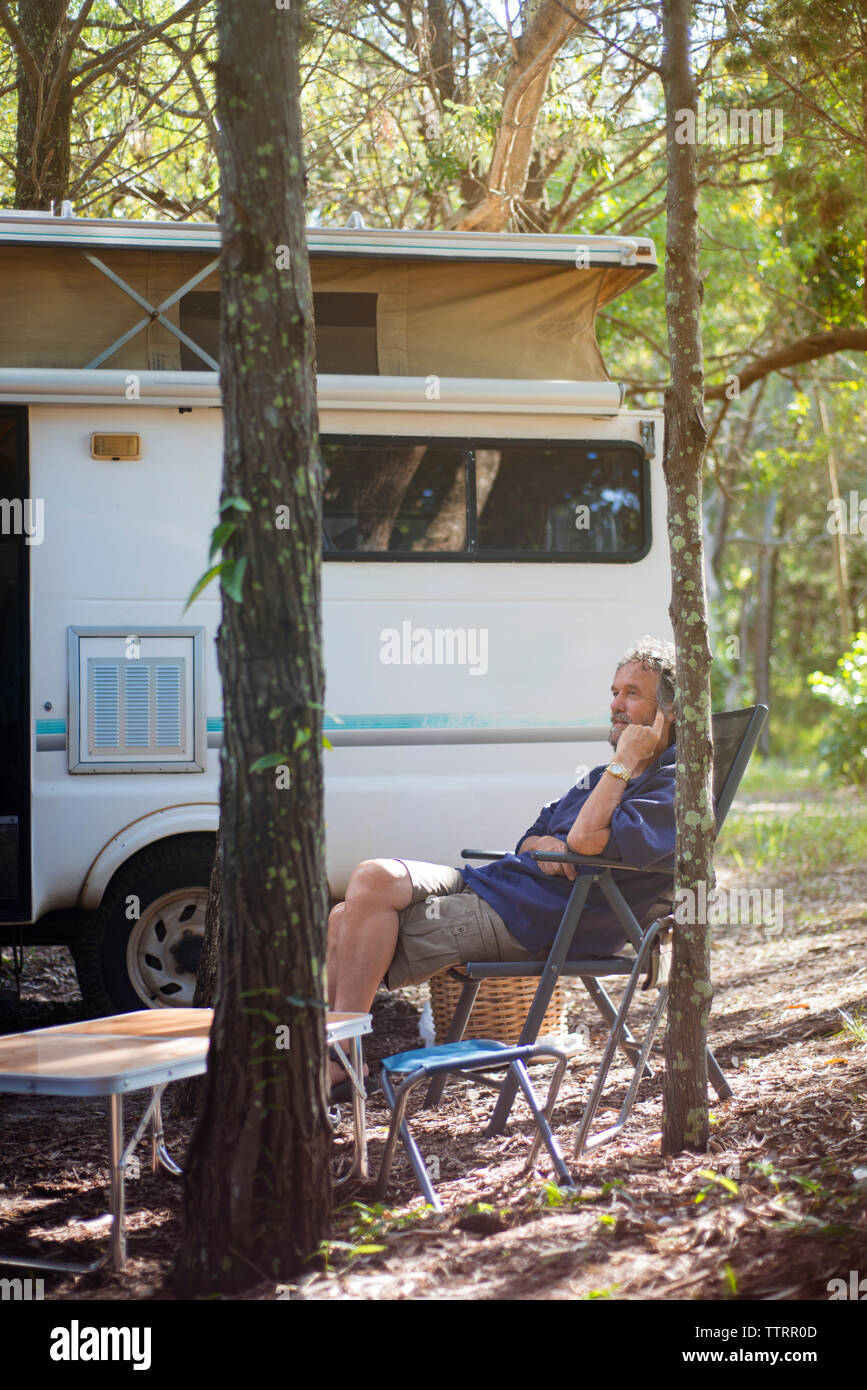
pixel 403 920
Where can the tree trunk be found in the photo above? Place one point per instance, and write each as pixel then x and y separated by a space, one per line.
pixel 764 624
pixel 838 539
pixel 44 116
pixel 504 201
pixel 686 1121
pixel 185 1097
pixel 258 1183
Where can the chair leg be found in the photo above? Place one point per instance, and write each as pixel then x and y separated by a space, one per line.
pixel 605 1005
pixel 529 1034
pixel 399 1125
pixel 717 1079
pixel 543 1118
pixel 582 1142
pixel 542 998
pixel 615 1039
pixel 457 1028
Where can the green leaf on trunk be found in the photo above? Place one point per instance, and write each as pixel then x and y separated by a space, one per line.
pixel 233 577
pixel 220 535
pixel 203 583
pixel 237 503
pixel 269 760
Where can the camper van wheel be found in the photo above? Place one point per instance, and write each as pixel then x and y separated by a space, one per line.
pixel 141 949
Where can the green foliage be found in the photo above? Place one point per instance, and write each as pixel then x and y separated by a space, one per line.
pixel 845 744
pixel 854 1026
pixel 816 838
pixel 232 570
pixel 143 136
pixel 713 1183
pixel 555 1196
pixel 370 1224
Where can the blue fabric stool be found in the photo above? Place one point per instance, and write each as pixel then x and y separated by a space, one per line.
pixel 470 1055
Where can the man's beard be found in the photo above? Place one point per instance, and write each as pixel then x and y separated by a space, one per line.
pixel 616 730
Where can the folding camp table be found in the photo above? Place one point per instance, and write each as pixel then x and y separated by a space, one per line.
pixel 135 1052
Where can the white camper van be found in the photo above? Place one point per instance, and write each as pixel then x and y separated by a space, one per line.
pixel 493 537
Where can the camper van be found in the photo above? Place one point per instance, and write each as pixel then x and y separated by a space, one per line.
pixel 493 538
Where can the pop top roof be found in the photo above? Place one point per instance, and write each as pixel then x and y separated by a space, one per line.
pixel 452 304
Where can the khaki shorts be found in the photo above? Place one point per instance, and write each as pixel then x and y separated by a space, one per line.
pixel 446 924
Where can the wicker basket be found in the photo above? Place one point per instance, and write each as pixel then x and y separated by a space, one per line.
pixel 500 1009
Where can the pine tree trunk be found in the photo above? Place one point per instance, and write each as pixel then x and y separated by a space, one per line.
pixel 686 1121
pixel 44 116
pixel 258 1184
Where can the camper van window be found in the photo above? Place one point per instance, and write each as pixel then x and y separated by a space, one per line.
pixel 345 326
pixel 527 500
pixel 566 499
pixel 394 496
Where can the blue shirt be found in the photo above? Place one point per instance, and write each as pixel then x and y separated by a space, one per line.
pixel 531 902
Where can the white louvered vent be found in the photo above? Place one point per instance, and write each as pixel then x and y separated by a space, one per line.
pixel 137 700
pixel 136 706
pixel 105 692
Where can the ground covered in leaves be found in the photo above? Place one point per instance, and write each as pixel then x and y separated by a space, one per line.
pixel 774 1211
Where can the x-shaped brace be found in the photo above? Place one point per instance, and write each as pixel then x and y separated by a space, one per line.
pixel 154 314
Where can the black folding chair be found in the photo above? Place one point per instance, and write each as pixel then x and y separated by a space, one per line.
pixel 735 734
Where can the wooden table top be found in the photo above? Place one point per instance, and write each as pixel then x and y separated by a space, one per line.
pixel 126 1052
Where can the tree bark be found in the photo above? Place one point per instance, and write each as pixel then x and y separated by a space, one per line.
pixel 505 193
pixel 43 139
pixel 258 1183
pixel 838 539
pixel 441 51
pixel 764 623
pixel 686 1122
pixel 185 1097
pixel 808 349
pixel 46 38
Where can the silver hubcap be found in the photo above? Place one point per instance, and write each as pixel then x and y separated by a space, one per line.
pixel 163 946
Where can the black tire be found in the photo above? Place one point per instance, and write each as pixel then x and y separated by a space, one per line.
pixel 172 874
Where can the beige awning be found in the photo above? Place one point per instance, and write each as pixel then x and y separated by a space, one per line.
pixel 434 318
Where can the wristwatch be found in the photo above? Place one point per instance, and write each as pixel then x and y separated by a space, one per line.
pixel 619 771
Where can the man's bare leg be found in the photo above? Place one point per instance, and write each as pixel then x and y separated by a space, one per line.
pixel 335 926
pixel 363 936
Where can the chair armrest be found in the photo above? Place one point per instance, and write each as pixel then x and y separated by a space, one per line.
pixel 484 853
pixel 597 862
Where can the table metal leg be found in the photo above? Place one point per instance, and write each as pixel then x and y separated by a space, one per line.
pixel 118 1159
pixel 359 1109
pixel 159 1152
pixel 354 1067
pixel 115 1152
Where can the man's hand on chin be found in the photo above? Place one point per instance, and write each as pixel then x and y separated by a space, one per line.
pixel 639 745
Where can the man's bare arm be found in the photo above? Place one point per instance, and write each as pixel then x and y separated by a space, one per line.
pixel 637 747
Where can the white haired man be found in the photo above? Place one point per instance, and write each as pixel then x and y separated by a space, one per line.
pixel 403 920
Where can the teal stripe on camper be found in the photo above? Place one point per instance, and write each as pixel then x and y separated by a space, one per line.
pixel 441 721
pixel 454 721
pixel 50 726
